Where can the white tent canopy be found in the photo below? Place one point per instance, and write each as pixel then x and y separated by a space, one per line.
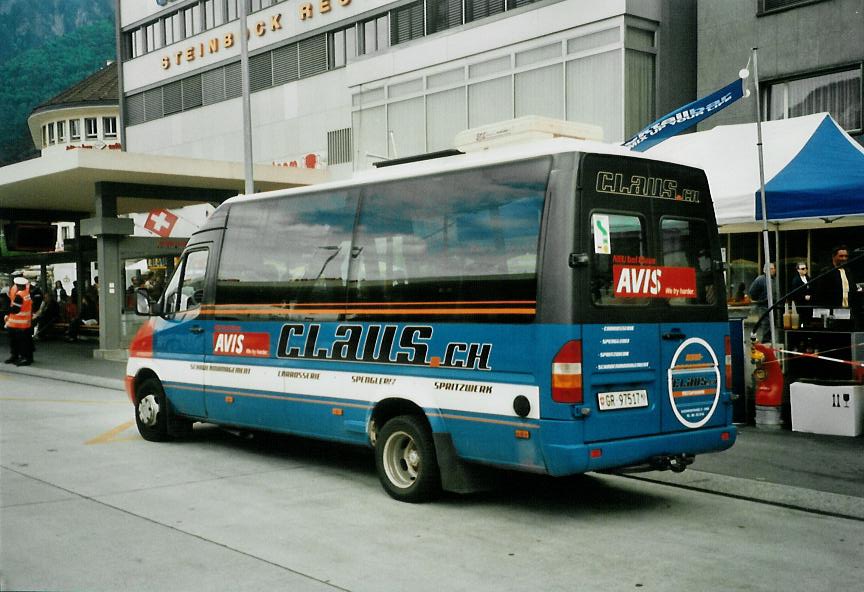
pixel 728 154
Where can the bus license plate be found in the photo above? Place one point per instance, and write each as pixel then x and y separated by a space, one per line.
pixel 622 400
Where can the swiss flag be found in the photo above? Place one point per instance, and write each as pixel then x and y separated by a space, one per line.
pixel 160 222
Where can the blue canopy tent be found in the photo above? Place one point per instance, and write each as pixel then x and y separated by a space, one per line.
pixel 824 180
pixel 814 172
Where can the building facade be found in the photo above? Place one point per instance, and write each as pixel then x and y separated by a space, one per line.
pixel 810 56
pixel 343 83
pixel 84 116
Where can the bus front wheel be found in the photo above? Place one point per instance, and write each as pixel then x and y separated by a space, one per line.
pixel 153 416
pixel 406 460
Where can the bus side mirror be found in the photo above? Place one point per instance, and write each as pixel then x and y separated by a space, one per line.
pixel 143 305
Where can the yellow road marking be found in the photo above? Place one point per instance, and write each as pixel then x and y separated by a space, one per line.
pixel 111 435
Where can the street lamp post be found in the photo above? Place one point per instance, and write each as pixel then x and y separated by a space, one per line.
pixel 249 185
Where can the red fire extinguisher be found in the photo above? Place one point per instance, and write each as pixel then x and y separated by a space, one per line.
pixel 767 375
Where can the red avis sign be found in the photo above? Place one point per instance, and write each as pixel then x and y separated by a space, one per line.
pixel 640 279
pixel 160 222
pixel 241 344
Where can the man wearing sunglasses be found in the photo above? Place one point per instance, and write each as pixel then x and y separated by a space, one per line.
pixel 803 298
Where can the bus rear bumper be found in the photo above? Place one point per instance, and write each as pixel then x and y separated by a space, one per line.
pixel 644 453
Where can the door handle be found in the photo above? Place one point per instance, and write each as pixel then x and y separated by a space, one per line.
pixel 196 330
pixel 674 336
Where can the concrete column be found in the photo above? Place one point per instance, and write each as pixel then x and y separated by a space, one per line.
pixel 108 230
pixel 80 270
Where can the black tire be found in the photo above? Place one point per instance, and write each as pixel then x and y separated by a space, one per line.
pixel 153 415
pixel 406 460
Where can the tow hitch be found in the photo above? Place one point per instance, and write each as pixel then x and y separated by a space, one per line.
pixel 664 462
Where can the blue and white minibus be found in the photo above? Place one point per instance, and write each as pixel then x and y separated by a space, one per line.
pixel 555 308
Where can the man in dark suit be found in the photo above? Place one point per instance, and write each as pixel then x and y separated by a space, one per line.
pixel 803 298
pixel 838 289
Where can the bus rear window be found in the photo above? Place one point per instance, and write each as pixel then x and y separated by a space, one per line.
pixel 617 239
pixel 624 273
pixel 685 245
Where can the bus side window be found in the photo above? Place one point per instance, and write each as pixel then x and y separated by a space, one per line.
pixel 461 237
pixel 281 255
pixel 186 288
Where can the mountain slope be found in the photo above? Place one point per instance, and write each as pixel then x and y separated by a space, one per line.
pixel 35 75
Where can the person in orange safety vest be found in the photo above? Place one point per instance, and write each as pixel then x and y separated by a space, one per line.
pixel 19 323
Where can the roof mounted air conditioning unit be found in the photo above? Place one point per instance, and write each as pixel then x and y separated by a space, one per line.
pixel 524 129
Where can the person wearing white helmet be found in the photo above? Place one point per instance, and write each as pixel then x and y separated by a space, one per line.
pixel 19 323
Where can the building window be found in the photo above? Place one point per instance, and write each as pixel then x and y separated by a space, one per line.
pixel 233 10
pixel 90 129
pixel 138 48
pixel 154 36
pixel 214 13
pixel 74 129
pixel 478 9
pixel 192 19
pixel 109 127
pixel 312 55
pixel 61 131
pixel 406 23
pixel 342 46
pixel 442 15
pixel 261 4
pixel 173 26
pixel 838 93
pixel 374 35
pixel 51 133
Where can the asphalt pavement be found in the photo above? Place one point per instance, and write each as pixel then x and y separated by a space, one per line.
pixel 772 464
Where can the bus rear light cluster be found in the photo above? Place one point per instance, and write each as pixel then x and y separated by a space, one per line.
pixel 567 374
pixel 728 363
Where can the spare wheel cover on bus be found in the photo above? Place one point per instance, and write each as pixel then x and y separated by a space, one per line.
pixel 694 382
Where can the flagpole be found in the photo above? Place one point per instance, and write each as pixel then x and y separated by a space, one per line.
pixel 766 243
pixel 249 184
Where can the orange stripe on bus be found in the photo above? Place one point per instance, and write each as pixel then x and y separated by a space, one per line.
pixel 692 366
pixel 678 394
pixel 425 302
pixel 374 311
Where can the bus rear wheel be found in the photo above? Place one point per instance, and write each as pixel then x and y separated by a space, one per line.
pixel 406 460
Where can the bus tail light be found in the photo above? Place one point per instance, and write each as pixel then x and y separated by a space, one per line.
pixel 728 363
pixel 567 373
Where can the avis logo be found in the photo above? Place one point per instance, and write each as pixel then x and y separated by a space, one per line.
pixel 241 344
pixel 228 343
pixel 637 281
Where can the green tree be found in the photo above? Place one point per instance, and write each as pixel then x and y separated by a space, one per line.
pixel 34 76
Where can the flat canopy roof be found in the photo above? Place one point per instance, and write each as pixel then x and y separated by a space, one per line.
pixel 64 183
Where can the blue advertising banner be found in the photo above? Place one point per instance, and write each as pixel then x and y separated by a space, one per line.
pixel 685 117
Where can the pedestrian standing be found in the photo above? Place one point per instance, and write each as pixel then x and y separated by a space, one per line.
pixel 19 323
pixel 758 292
pixel 803 296
pixel 60 294
pixel 838 289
